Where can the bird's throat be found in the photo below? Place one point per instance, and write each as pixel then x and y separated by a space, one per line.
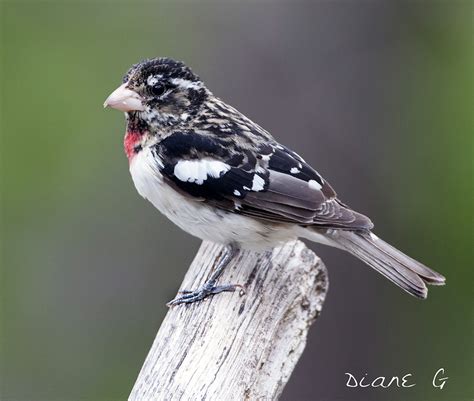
pixel 132 143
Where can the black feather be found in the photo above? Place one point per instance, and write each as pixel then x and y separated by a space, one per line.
pixel 285 196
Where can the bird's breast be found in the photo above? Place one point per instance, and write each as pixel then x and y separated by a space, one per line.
pixel 197 218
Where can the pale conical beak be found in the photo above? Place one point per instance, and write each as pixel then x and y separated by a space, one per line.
pixel 124 99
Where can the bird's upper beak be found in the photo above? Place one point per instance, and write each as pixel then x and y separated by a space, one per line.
pixel 124 99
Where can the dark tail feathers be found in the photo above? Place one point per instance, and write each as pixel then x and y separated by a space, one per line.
pixel 399 268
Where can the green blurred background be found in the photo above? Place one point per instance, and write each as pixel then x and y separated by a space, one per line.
pixel 378 96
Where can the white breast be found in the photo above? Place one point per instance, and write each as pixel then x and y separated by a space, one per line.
pixel 197 218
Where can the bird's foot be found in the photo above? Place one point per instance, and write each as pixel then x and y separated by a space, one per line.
pixel 208 289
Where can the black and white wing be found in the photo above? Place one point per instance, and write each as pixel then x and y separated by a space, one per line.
pixel 266 181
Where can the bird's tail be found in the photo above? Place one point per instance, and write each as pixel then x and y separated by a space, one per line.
pixel 407 273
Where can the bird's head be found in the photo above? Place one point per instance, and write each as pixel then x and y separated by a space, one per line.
pixel 160 92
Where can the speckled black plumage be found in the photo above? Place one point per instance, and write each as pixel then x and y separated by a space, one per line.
pixel 162 65
pixel 222 177
pixel 217 131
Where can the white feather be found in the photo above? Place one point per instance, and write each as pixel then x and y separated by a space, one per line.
pixel 313 184
pixel 186 84
pixel 257 183
pixel 153 79
pixel 197 171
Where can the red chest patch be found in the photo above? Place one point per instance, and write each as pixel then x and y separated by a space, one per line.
pixel 131 143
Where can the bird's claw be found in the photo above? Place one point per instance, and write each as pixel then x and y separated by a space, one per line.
pixel 189 296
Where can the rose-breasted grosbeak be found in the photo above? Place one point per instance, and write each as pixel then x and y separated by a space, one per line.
pixel 223 178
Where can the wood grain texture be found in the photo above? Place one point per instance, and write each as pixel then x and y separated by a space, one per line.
pixel 236 346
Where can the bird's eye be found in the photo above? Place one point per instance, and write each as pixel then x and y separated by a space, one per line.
pixel 158 89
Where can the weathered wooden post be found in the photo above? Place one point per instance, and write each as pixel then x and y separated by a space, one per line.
pixel 236 346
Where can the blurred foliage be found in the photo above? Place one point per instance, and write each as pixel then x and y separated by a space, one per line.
pixel 435 186
pixel 61 153
pixel 70 330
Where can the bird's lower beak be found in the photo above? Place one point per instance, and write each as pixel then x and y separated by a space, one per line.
pixel 124 99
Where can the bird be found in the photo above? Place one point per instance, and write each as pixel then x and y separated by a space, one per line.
pixel 221 177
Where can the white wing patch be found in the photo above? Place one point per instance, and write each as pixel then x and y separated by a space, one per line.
pixel 258 183
pixel 294 170
pixel 198 171
pixel 313 184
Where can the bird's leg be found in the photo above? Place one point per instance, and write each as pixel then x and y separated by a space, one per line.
pixel 209 287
